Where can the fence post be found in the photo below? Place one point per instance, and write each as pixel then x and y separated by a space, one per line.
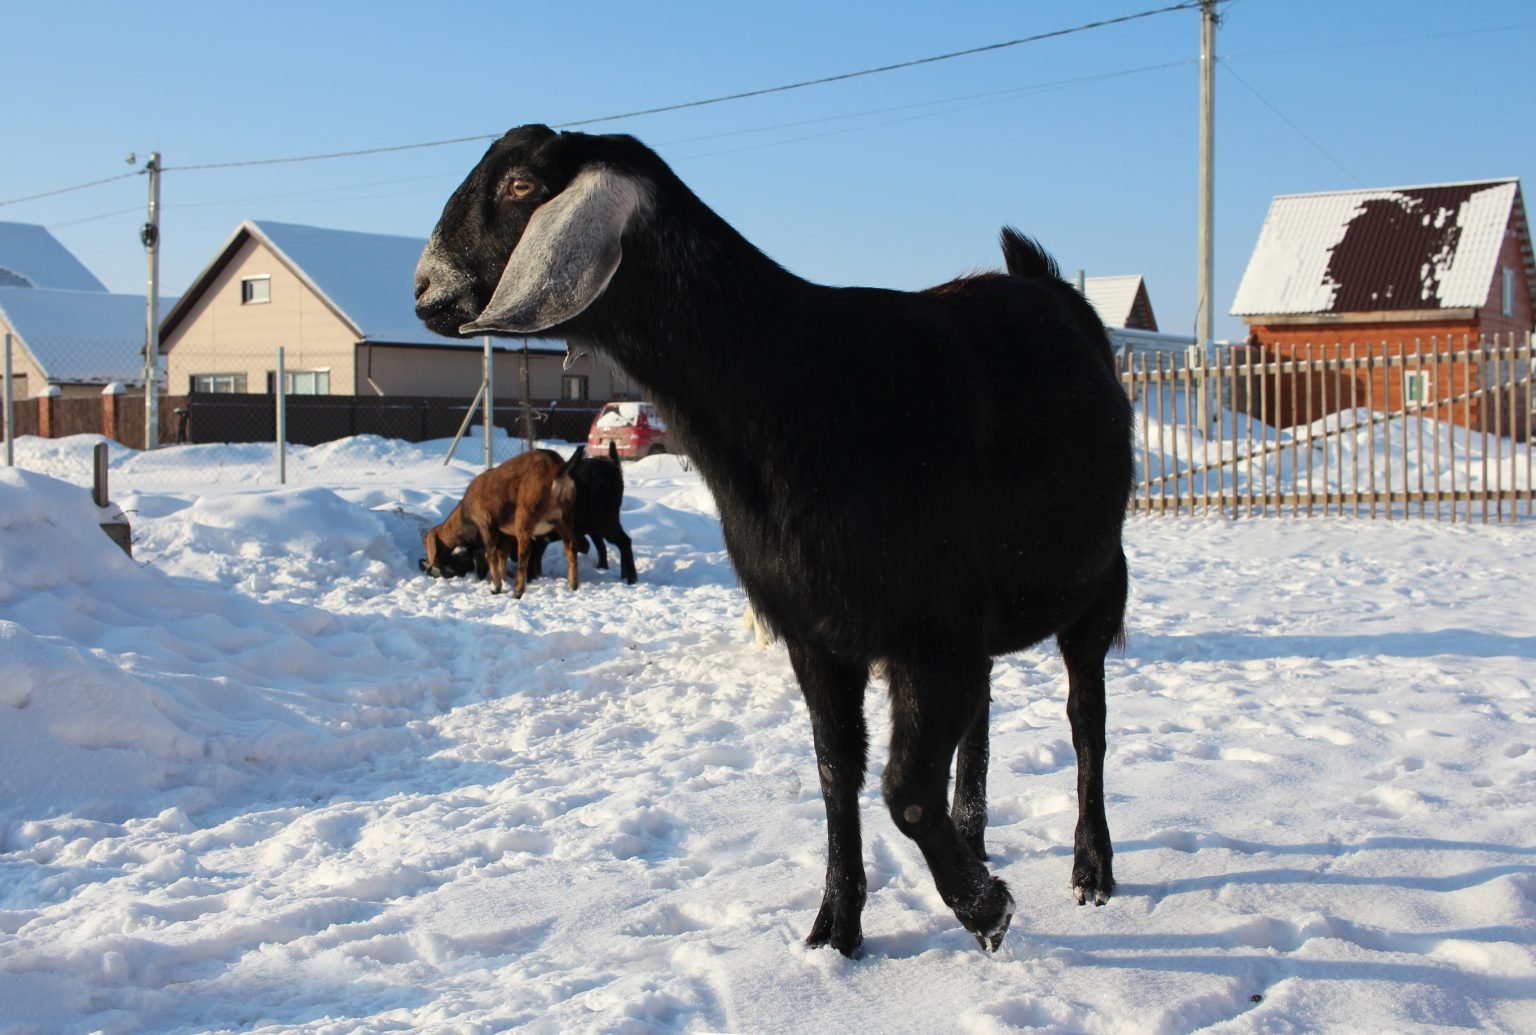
pixel 10 408
pixel 490 396
pixel 281 390
pixel 45 410
pixel 111 396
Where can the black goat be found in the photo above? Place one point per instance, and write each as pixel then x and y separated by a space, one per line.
pixel 599 495
pixel 594 239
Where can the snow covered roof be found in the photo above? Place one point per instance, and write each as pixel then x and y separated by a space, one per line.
pixel 1116 300
pixel 1403 248
pixel 79 337
pixel 31 257
pixel 367 279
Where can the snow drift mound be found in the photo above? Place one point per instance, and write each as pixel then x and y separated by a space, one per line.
pixel 128 691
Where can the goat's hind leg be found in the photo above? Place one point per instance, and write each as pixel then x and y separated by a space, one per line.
pixel 1084 645
pixel 934 704
pixel 834 696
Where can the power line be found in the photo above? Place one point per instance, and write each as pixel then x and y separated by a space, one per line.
pixel 822 81
pixel 1187 5
pixel 78 186
pixel 941 108
pixel 1284 118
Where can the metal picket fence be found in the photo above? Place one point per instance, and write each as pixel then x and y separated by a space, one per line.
pixel 1430 429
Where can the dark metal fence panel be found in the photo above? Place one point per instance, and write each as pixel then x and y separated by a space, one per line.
pixel 313 419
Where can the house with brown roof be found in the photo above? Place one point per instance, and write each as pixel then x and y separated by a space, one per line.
pixel 1404 272
pixel 340 303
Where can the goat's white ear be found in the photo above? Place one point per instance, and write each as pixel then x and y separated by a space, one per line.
pixel 566 256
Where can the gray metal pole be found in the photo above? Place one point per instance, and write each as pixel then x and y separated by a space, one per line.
pixel 10 408
pixel 1204 336
pixel 469 415
pixel 150 235
pixel 490 396
pixel 282 421
pixel 527 400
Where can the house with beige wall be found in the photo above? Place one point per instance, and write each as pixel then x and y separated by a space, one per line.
pixel 341 306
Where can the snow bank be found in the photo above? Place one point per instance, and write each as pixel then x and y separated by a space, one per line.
pixel 266 777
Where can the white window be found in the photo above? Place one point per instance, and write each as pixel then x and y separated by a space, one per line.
pixel 1415 387
pixel 307 382
pixel 573 387
pixel 1508 306
pixel 218 383
pixel 255 290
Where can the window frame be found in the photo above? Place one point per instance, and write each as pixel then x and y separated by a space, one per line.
pixel 248 294
pixel 578 381
pixel 211 384
pixel 317 374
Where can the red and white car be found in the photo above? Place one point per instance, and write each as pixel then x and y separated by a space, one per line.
pixel 636 428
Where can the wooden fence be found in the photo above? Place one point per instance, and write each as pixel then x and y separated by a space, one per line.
pixel 1438 430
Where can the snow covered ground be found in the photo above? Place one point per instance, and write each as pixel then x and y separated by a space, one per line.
pixel 266 777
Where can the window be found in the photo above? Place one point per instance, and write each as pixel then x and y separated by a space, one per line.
pixel 573 387
pixel 308 382
pixel 1415 387
pixel 1508 301
pixel 218 383
pixel 254 290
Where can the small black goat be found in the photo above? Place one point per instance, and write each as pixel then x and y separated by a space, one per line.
pixel 594 239
pixel 599 495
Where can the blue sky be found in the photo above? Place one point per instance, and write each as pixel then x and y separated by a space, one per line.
pixel 902 179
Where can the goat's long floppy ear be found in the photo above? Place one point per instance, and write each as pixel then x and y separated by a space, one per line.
pixel 566 256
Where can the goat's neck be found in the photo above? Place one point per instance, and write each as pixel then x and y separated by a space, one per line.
pixel 702 320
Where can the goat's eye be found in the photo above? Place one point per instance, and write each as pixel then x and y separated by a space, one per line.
pixel 521 187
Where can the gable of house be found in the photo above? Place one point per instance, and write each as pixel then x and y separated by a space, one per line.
pixel 31 257
pixel 1438 251
pixel 1121 301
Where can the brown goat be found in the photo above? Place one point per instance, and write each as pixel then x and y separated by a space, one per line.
pixel 526 496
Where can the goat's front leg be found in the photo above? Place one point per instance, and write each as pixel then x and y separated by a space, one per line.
pixel 834 696
pixel 933 704
pixel 969 810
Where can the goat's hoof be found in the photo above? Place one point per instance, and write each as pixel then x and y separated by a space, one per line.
pixel 844 933
pixel 847 944
pixel 1092 879
pixel 998 904
pixel 1100 895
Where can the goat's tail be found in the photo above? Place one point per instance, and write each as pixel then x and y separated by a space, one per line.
pixel 1025 258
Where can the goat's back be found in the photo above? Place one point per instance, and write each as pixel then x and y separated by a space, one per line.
pixel 957 468
pixel 493 496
